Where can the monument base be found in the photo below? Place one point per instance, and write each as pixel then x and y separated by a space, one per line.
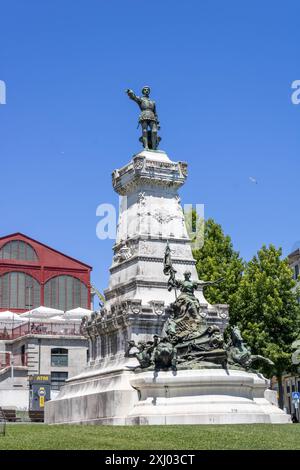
pixel 205 396
pixel 119 396
pixel 101 394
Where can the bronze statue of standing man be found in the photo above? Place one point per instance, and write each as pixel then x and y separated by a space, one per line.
pixel 148 118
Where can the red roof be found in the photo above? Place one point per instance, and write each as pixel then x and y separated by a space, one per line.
pixel 47 256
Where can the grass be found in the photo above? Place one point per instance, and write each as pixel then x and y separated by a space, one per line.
pixel 248 436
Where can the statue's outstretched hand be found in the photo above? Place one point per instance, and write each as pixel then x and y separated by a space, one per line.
pixel 129 92
pixel 211 283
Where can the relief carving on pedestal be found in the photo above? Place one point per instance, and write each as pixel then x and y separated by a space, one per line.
pixel 141 198
pixel 164 216
pixel 180 252
pixel 158 307
pixel 115 175
pixel 135 306
pixel 146 248
pixel 125 251
pixel 138 163
pixel 183 168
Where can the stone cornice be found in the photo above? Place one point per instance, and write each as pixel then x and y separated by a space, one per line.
pixel 153 259
pixel 141 237
pixel 142 171
pixel 124 318
pixel 133 284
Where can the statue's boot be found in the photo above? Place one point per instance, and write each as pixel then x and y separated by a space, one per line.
pixel 145 139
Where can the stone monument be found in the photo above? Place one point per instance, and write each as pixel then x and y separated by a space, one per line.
pixel 157 350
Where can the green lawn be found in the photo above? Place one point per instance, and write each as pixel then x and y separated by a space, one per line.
pixel 250 436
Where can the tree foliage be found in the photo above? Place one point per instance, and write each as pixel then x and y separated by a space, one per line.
pixel 265 307
pixel 261 295
pixel 217 259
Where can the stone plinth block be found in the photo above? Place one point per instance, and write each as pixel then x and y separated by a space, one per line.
pixel 102 394
pixel 208 396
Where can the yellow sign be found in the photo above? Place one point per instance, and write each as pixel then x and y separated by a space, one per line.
pixel 39 378
pixel 42 402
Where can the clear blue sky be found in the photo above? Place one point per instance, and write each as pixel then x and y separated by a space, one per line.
pixel 221 73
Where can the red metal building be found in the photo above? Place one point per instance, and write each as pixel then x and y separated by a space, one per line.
pixel 33 274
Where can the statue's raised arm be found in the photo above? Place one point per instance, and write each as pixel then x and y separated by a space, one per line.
pixel 133 96
pixel 202 284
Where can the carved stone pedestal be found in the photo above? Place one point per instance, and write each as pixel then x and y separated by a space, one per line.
pixel 117 396
pixel 207 396
pixel 137 299
pixel 136 308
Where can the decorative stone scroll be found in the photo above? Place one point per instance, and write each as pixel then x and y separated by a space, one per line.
pixel 138 162
pixel 183 168
pixel 158 307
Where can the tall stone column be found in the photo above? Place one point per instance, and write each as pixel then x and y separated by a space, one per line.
pixel 137 298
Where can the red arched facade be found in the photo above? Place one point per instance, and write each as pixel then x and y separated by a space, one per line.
pixel 27 261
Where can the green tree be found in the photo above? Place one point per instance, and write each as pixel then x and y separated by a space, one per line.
pixel 215 259
pixel 266 309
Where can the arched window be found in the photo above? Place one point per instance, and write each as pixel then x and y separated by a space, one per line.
pixel 65 293
pixel 59 357
pixel 17 249
pixel 19 290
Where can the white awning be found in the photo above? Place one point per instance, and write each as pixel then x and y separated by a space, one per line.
pixel 56 319
pixel 42 313
pixel 11 317
pixel 77 313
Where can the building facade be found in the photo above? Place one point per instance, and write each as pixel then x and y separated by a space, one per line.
pixel 33 274
pixel 291 383
pixel 294 262
pixel 57 356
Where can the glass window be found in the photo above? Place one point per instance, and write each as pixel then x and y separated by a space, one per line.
pixel 19 290
pixel 296 271
pixel 59 357
pixel 17 249
pixel 58 379
pixel 65 293
pixel 23 355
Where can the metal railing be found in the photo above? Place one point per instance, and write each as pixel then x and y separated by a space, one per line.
pixel 39 328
